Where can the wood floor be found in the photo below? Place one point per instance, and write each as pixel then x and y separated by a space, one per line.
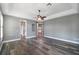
pixel 44 46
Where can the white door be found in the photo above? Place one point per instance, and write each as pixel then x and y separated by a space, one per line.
pixel 23 28
pixel 1 26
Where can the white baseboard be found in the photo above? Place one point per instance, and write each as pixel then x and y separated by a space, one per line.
pixel 17 39
pixel 62 39
pixel 11 40
pixel 30 37
pixel 44 36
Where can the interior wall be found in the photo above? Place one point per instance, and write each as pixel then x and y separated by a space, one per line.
pixel 31 32
pixel 11 27
pixel 78 8
pixel 65 28
pixel 1 29
pixel 1 26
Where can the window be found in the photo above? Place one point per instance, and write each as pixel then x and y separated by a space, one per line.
pixel 33 27
pixel 1 27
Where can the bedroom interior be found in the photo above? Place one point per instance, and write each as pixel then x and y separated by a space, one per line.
pixel 39 29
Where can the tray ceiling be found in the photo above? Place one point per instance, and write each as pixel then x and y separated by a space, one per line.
pixel 29 10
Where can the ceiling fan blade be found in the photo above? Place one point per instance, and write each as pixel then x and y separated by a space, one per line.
pixel 44 16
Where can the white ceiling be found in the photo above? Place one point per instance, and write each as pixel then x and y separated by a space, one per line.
pixel 30 10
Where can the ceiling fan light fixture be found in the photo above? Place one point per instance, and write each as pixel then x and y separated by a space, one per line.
pixel 39 17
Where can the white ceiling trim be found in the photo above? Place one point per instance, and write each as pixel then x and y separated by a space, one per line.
pixel 64 13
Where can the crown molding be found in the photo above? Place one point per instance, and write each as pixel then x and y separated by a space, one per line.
pixel 64 13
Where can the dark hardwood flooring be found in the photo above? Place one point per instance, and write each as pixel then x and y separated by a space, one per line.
pixel 43 46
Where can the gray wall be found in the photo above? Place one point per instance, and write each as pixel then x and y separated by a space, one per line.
pixel 78 8
pixel 66 28
pixel 31 33
pixel 11 27
pixel 0 25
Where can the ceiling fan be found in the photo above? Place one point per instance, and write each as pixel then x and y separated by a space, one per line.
pixel 39 17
